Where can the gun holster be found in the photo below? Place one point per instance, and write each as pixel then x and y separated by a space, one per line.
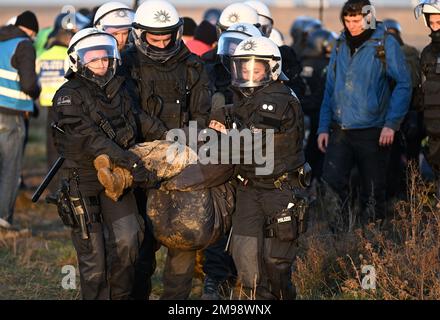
pixel 289 223
pixel 61 199
pixel 71 208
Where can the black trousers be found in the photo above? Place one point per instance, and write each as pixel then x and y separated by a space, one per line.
pixel 146 263
pixel 263 263
pixel 218 263
pixel 107 259
pixel 360 148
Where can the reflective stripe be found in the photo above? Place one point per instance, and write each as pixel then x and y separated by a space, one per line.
pixel 10 75
pixel 16 94
pixel 11 95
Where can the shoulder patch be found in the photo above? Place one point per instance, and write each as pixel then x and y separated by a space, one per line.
pixel 64 100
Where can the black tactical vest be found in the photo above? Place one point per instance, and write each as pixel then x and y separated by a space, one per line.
pixel 111 110
pixel 165 89
pixel 266 109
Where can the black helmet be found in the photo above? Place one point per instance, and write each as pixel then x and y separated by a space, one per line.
pixel 392 24
pixel 320 43
pixel 302 26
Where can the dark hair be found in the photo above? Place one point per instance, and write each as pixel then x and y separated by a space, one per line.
pixel 354 8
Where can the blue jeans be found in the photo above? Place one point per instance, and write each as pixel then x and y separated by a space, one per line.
pixel 12 134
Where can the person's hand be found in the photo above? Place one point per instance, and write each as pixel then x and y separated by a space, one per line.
pixel 323 142
pixel 143 177
pixel 386 137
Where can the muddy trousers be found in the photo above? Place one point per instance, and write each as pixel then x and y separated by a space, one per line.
pixel 107 259
pixel 263 264
pixel 178 274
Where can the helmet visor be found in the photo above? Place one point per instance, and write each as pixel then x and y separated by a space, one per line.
pixel 98 63
pixel 155 52
pixel 250 72
pixel 228 41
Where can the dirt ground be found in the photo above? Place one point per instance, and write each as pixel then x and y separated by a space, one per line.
pixel 414 31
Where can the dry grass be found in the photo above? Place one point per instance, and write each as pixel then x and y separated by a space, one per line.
pixel 404 252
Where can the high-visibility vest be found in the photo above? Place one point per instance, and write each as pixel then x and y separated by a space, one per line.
pixel 51 66
pixel 11 95
pixel 41 40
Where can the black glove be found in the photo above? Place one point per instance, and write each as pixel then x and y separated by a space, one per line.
pixel 142 177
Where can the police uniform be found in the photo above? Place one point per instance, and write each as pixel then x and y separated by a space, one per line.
pixel 262 255
pixel 175 92
pixel 430 63
pixel 98 121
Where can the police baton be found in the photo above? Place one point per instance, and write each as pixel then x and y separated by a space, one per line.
pixel 52 172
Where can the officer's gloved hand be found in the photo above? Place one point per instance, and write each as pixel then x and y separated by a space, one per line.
pixel 144 178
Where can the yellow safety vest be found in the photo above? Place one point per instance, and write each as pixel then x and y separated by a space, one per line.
pixel 51 67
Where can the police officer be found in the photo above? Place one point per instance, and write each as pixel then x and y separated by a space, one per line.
pixel 172 85
pixel 115 18
pixel 408 143
pixel 265 224
pixel 430 65
pixel 218 266
pixel 316 57
pixel 95 115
